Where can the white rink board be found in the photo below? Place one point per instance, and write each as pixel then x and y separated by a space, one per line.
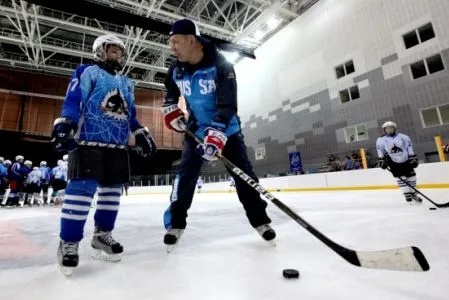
pixel 427 174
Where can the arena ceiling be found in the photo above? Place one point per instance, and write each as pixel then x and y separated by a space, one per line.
pixel 56 36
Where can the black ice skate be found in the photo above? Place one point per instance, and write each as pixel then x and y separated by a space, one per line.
pixel 68 257
pixel 105 247
pixel 416 197
pixel 267 233
pixel 171 238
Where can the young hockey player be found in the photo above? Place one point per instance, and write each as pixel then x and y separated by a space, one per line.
pixel 395 151
pixel 58 182
pixel 32 190
pixel 3 179
pixel 15 182
pixel 199 184
pixel 231 184
pixel 207 82
pixel 45 180
pixel 99 109
pixel 25 171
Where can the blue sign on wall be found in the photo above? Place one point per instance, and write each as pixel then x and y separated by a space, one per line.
pixel 295 162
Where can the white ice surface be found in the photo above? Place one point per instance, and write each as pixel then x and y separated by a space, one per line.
pixel 221 257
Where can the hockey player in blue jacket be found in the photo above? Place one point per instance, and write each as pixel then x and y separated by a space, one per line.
pixel 15 182
pixel 98 108
pixel 395 151
pixel 3 179
pixel 208 83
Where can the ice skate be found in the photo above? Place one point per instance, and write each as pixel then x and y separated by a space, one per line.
pixel 105 247
pixel 267 233
pixel 68 257
pixel 171 238
pixel 416 198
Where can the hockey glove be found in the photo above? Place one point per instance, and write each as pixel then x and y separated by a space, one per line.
pixel 214 143
pixel 144 142
pixel 413 161
pixel 174 118
pixel 62 137
pixel 383 163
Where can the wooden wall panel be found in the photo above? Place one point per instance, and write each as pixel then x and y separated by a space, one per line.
pixel 39 113
pixel 9 111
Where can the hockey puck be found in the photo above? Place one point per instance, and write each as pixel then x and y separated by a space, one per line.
pixel 432 208
pixel 290 274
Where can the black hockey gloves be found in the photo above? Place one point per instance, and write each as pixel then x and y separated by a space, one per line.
pixel 144 142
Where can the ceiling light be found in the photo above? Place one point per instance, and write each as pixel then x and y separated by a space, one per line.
pixel 258 35
pixel 273 23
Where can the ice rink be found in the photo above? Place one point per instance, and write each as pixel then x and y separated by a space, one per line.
pixel 222 257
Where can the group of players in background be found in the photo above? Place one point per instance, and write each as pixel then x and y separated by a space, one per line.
pixel 26 183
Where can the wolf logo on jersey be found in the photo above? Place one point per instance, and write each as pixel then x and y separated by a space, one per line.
pixel 396 149
pixel 114 105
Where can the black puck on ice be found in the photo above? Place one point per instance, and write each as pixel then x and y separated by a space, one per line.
pixel 432 208
pixel 290 273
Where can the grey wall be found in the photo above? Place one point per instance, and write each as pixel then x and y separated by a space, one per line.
pixel 288 97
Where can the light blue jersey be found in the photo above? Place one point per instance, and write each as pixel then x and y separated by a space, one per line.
pixel 46 176
pixel 34 177
pixel 399 147
pixel 59 172
pixel 101 104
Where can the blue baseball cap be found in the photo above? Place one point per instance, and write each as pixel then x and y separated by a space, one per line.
pixel 187 27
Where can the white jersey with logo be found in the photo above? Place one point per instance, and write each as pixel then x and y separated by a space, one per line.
pixel 200 182
pixel 399 147
pixel 34 177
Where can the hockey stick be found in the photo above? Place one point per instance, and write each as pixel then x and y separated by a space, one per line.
pixel 102 145
pixel 444 205
pixel 402 259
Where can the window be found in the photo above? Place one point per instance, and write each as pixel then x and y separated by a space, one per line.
pixel 435 64
pixel 349 94
pixel 435 116
pixel 418 69
pixel 426 32
pixel 345 69
pixel 419 35
pixel 356 133
pixel 344 96
pixel 427 66
pixel 410 39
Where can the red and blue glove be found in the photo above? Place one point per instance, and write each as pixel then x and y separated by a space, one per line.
pixel 214 142
pixel 174 118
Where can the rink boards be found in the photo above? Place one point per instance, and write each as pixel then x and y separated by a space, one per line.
pixel 431 175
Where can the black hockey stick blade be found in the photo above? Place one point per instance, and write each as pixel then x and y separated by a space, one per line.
pixel 442 205
pixel 403 259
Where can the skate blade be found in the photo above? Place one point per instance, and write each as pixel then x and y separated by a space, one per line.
pixel 170 248
pixel 67 271
pixel 272 242
pixel 98 254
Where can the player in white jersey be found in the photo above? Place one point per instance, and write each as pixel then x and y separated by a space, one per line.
pixel 395 151
pixel 199 184
pixel 231 184
pixel 32 187
pixel 58 183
